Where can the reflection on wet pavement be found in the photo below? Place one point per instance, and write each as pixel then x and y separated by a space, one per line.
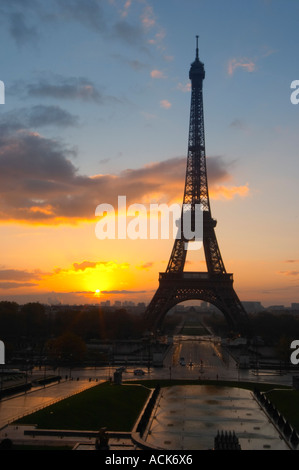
pixel 189 417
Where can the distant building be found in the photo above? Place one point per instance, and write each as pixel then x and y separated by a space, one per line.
pixel 276 307
pixel 295 306
pixel 128 303
pixel 253 306
pixel 179 308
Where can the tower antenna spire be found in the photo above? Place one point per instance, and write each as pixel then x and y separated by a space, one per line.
pixel 197 47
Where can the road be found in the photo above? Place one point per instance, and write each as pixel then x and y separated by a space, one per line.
pixel 205 359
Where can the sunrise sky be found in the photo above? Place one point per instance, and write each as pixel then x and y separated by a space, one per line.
pixel 97 101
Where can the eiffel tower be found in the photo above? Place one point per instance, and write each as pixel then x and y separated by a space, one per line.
pixel 216 285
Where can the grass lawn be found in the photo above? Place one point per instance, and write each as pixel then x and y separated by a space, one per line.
pixel 287 402
pixel 116 407
pixel 193 329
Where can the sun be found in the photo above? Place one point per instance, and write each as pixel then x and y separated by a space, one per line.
pixel 97 293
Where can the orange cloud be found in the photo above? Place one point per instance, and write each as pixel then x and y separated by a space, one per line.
pixel 145 266
pixel 147 18
pixel 17 278
pixel 15 285
pixel 86 277
pixel 184 88
pixel 39 184
pixel 157 74
pixel 165 104
pixel 289 273
pixel 240 63
pixel 127 5
pixel 84 265
pixel 229 192
pixel 102 265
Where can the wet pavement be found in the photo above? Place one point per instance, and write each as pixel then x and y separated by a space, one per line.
pixel 17 406
pixel 189 417
pixel 185 418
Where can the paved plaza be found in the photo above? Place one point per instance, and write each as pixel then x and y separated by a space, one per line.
pixel 15 407
pixel 189 417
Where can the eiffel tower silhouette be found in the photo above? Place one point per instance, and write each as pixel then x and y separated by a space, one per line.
pixel 216 285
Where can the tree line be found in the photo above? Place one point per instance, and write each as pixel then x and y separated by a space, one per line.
pixel 32 327
pixel 35 327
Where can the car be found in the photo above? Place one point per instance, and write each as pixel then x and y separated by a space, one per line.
pixel 138 372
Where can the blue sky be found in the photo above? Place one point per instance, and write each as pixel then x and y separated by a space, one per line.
pixel 100 87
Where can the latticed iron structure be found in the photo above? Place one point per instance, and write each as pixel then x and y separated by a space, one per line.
pixel 215 285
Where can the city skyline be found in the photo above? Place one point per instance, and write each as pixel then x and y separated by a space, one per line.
pixel 97 101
